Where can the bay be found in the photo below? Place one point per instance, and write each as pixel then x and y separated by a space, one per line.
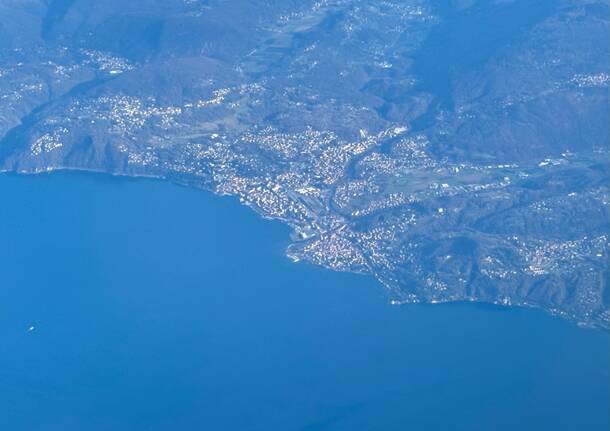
pixel 140 305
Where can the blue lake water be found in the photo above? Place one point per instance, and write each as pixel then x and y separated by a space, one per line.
pixel 157 307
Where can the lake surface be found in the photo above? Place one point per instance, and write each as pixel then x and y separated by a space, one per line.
pixel 140 305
